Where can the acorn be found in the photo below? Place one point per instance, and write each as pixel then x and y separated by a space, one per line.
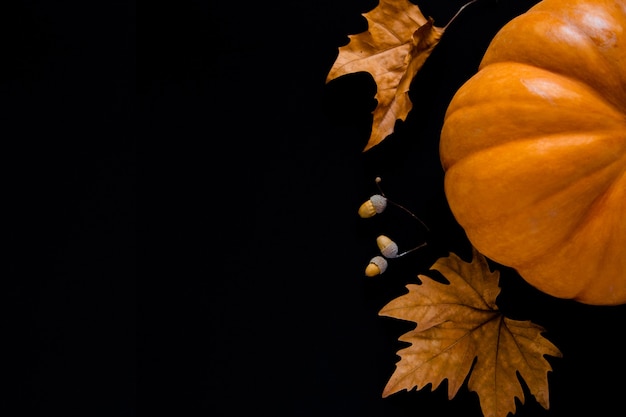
pixel 377 266
pixel 376 204
pixel 387 247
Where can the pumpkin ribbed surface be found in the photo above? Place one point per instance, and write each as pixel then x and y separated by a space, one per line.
pixel 534 150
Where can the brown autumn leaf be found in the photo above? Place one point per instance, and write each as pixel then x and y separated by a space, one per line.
pixel 460 322
pixel 393 49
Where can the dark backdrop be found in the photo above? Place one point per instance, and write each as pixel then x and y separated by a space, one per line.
pixel 257 303
pixel 67 296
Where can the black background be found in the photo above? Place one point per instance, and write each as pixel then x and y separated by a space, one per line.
pixel 254 300
pixel 67 101
pixel 260 174
pixel 267 310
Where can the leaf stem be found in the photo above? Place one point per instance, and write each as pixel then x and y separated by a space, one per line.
pixel 458 13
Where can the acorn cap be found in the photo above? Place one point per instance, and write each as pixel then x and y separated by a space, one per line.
pixel 379 202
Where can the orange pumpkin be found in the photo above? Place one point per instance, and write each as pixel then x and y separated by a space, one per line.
pixel 534 150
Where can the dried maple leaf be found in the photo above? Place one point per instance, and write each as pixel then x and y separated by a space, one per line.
pixel 459 323
pixel 393 49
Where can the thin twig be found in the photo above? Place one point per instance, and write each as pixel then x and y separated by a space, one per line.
pixel 458 13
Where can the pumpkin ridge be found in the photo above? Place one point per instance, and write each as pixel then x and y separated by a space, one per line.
pixel 578 227
pixel 522 135
pixel 524 103
pixel 582 59
pixel 597 136
pixel 598 259
pixel 477 222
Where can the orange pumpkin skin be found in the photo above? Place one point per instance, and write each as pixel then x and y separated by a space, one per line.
pixel 534 150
